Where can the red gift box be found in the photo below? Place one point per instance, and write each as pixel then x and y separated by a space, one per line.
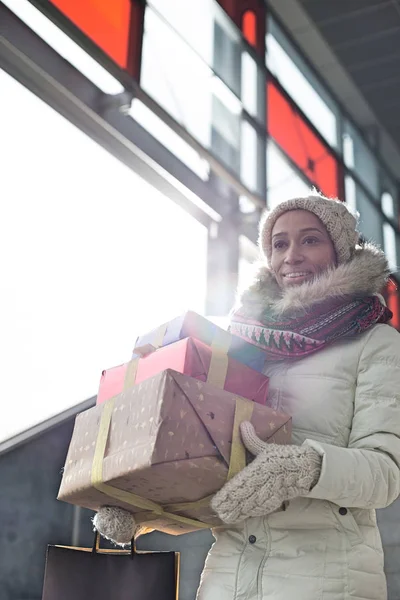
pixel 191 357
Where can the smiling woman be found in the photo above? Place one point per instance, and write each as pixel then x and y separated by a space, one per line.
pixel 300 519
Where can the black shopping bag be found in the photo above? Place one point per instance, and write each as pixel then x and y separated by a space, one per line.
pixel 90 573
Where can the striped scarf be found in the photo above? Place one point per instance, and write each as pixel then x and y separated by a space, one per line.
pixel 297 336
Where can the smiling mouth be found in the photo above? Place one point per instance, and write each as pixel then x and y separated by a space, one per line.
pixel 299 275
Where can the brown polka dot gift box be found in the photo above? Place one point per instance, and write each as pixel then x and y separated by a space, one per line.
pixel 161 449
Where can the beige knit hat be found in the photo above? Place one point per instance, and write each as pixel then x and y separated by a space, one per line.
pixel 340 223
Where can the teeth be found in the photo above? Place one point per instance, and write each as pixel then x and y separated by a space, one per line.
pixel 296 274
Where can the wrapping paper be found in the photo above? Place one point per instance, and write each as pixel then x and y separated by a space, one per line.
pixel 190 324
pixel 192 357
pixel 161 450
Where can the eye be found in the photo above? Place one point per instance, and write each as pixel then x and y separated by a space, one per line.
pixel 310 240
pixel 279 244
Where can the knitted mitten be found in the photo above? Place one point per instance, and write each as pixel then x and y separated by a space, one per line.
pixel 277 474
pixel 115 524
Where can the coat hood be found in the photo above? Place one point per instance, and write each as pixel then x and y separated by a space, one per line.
pixel 364 275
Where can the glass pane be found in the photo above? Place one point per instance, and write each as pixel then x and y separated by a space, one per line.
pixel 389 245
pixel 249 156
pixel 391 240
pixel 106 23
pixel 186 87
pixel 168 138
pixel 248 255
pixel 84 254
pixel 227 54
pixel 389 187
pixel 387 203
pixel 350 193
pixel 176 78
pixel 299 142
pixel 192 21
pixel 225 140
pixel 371 221
pixel 249 84
pixel 253 87
pixel 301 84
pixel 359 157
pixel 282 179
pixel 207 30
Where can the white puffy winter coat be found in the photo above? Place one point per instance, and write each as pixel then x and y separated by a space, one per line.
pixel 345 403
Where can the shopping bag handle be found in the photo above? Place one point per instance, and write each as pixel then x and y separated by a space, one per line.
pixel 97 540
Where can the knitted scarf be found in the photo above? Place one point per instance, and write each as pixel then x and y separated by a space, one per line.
pixel 298 335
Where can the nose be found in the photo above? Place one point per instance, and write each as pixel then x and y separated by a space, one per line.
pixel 294 255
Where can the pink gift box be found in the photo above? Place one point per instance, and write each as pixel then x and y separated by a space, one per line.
pixel 191 357
pixel 190 324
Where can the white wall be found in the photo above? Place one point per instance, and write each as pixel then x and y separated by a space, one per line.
pixel 91 255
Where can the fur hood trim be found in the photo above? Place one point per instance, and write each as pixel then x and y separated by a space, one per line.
pixel 364 275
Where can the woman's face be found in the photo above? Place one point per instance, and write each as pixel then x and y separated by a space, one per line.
pixel 301 248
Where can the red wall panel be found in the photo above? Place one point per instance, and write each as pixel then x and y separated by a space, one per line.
pixel 300 143
pixel 105 22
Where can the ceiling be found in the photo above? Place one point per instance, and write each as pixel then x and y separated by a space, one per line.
pixel 365 37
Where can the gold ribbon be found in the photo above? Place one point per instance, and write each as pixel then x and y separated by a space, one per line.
pixel 218 364
pixel 157 342
pixel 243 411
pixel 159 335
pixel 237 461
pixel 219 359
pixel 130 373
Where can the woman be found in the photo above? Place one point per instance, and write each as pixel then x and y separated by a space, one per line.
pixel 301 518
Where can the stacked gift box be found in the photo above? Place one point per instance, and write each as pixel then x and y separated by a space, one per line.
pixel 164 436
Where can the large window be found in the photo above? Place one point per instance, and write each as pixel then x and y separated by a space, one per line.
pixel 92 256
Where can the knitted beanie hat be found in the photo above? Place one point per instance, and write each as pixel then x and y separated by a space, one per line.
pixel 340 224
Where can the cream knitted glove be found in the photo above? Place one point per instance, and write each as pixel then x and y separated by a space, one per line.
pixel 277 474
pixel 115 524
